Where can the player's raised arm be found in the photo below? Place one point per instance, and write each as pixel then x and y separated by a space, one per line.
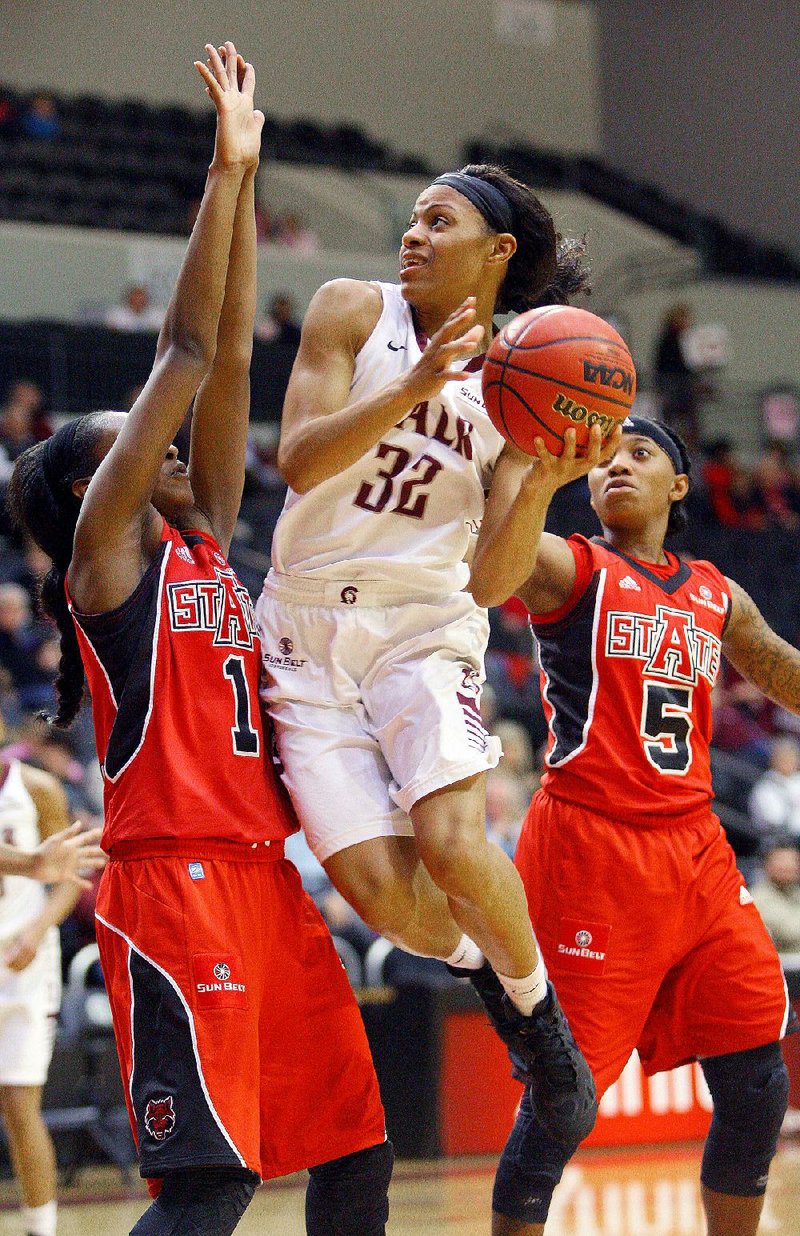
pixel 759 654
pixel 222 408
pixel 513 554
pixel 108 554
pixel 320 436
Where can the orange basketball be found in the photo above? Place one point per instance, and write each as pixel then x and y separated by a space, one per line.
pixel 554 368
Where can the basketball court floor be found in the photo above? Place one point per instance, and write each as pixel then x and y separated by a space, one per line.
pixel 603 1193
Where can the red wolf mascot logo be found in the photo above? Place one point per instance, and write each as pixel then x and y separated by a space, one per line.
pixel 159 1118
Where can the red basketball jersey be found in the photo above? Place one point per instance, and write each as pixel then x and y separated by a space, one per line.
pixel 174 678
pixel 627 667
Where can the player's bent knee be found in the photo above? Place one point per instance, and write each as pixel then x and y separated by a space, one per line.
pixel 199 1202
pixel 750 1090
pixel 350 1196
pixel 530 1167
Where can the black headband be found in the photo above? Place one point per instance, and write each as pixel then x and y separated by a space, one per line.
pixel 57 454
pixel 489 200
pixel 652 429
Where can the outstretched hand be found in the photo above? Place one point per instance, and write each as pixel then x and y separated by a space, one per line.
pixel 557 470
pixel 69 855
pixel 230 83
pixel 455 341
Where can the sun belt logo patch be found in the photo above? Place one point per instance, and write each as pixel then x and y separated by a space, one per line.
pixel 218 981
pixel 159 1117
pixel 582 946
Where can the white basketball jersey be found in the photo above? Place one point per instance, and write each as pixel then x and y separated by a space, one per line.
pixel 21 899
pixel 405 512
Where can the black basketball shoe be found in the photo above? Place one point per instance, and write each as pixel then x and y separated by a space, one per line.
pixel 544 1056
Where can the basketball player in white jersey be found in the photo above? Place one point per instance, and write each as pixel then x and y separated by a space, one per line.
pixel 373 651
pixel 33 807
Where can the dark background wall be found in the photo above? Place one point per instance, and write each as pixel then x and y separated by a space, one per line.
pixel 703 98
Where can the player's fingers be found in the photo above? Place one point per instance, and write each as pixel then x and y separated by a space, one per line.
pixel 231 63
pixel 570 446
pixel 454 325
pixel 212 85
pixel 611 446
pixel 248 80
pixel 216 66
pixel 595 446
pixel 259 118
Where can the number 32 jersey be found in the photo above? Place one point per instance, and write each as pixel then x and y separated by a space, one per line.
pixel 405 512
pixel 627 669
pixel 174 675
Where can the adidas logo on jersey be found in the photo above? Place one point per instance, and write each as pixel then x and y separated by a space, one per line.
pixel 630 583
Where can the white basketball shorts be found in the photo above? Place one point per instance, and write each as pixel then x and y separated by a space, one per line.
pixel 29 1004
pixel 375 704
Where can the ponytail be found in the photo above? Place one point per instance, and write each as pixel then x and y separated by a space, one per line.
pixel 41 503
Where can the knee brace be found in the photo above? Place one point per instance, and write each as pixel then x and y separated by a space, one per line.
pixel 350 1196
pixel 530 1167
pixel 750 1090
pixel 199 1202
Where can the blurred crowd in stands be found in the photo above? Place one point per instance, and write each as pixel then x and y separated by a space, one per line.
pixel 756 743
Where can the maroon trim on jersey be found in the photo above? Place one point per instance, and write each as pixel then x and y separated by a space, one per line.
pixel 473 365
pixel 669 585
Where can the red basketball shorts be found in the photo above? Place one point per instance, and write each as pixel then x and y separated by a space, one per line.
pixel 650 937
pixel 239 1038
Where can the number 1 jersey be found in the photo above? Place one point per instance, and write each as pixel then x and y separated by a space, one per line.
pixel 174 678
pixel 627 668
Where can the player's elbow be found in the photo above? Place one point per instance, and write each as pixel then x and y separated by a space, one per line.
pixel 485 591
pixel 293 465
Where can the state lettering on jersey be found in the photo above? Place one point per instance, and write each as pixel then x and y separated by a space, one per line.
pixel 437 422
pixel 669 644
pixel 221 607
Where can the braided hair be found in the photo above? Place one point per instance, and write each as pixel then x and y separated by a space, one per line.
pixel 41 503
pixel 545 269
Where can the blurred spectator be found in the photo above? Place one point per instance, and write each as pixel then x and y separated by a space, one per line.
pixel 135 312
pixel 279 323
pixel 744 718
pixel 39 121
pixel 55 751
pixel 22 423
pixel 8 114
pixel 512 670
pixel 776 488
pixel 777 895
pixel 29 649
pixel 774 802
pixel 674 378
pixel 291 232
pixel 339 916
pixel 265 225
pixel 507 801
pixel 518 754
pixel 729 488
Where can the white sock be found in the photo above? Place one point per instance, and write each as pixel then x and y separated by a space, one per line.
pixel 525 993
pixel 40 1220
pixel 468 956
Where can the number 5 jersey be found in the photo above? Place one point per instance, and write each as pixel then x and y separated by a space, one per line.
pixel 174 678
pixel 628 664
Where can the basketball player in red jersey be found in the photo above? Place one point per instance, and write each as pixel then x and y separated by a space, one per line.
pixel 242 1048
pixel 643 918
pixel 373 651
